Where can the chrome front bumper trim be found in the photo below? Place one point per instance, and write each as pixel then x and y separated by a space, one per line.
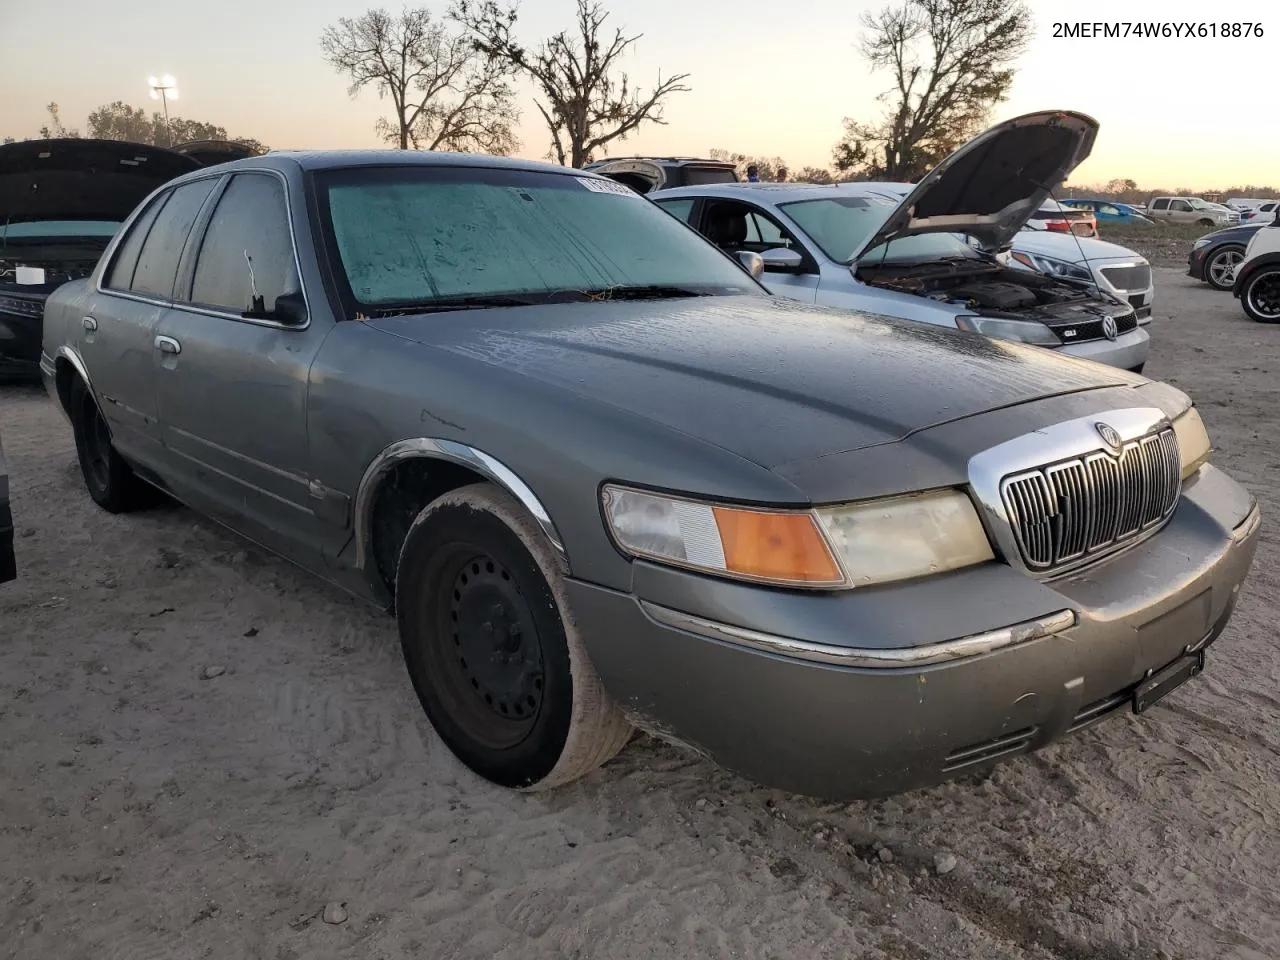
pixel 948 650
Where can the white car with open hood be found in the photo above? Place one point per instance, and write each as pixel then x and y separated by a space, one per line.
pixel 852 246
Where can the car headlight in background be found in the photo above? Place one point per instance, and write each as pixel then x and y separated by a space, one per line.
pixel 1053 267
pixel 849 545
pixel 1024 331
pixel 1193 441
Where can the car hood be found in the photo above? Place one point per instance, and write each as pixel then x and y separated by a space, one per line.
pixel 990 187
pixel 1063 247
pixel 74 179
pixel 769 379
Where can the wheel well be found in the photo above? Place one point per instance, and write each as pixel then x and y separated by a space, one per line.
pixel 402 493
pixel 64 378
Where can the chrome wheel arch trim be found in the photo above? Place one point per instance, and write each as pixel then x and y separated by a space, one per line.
pixel 434 448
pixel 69 354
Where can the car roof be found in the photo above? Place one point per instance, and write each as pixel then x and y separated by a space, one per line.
pixel 774 192
pixel 675 161
pixel 345 159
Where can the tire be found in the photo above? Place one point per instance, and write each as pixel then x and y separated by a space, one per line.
pixel 1260 295
pixel 1138 368
pixel 492 647
pixel 1224 260
pixel 110 481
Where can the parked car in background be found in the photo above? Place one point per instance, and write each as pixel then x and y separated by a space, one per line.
pixel 646 174
pixel 1109 211
pixel 1191 210
pixel 1257 277
pixel 209 153
pixel 1264 212
pixel 1058 218
pixel 1241 204
pixel 604 479
pixel 1107 267
pixel 850 245
pixel 61 201
pixel 1213 258
pixel 8 562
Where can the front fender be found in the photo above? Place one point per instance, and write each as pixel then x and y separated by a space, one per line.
pixel 1250 268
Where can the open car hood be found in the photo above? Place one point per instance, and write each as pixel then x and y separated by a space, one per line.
pixel 990 187
pixel 643 176
pixel 75 179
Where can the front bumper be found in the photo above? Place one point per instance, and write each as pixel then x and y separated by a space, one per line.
pixel 800 722
pixel 1195 263
pixel 1128 351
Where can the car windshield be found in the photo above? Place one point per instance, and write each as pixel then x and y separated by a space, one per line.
pixel 841 226
pixel 443 237
pixel 50 229
pixel 1200 204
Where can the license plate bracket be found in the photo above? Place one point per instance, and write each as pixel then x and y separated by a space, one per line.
pixel 1162 683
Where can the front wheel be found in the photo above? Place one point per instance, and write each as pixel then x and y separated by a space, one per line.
pixel 1220 268
pixel 1260 296
pixel 1204 222
pixel 492 648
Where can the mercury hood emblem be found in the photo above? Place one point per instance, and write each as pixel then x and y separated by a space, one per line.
pixel 1108 434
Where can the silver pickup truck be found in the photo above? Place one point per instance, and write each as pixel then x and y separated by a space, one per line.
pixel 1191 210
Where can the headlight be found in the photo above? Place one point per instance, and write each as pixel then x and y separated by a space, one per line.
pixel 1202 242
pixel 1193 441
pixel 877 541
pixel 1024 331
pixel 1054 268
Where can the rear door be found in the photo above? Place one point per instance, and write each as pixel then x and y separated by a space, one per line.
pixel 233 388
pixel 116 339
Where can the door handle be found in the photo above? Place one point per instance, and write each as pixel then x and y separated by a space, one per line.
pixel 168 345
pixel 89 324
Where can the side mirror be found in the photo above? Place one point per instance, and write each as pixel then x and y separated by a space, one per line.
pixel 782 260
pixel 290 309
pixel 751 262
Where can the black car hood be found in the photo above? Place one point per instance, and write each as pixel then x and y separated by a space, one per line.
pixel 770 379
pixel 74 179
pixel 209 153
pixel 990 187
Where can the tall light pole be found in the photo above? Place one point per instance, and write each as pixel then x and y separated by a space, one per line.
pixel 164 89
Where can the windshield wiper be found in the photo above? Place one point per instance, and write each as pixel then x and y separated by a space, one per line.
pixel 445 304
pixel 642 291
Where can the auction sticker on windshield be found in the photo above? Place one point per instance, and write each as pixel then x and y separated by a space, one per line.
pixel 607 186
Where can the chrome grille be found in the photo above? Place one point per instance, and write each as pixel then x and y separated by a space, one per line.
pixel 1084 508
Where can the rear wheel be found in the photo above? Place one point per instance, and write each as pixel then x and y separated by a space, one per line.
pixel 1261 295
pixel 492 648
pixel 110 481
pixel 1220 268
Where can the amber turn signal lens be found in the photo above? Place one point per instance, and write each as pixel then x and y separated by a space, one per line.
pixel 775 546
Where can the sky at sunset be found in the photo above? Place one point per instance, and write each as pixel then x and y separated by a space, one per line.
pixel 768 78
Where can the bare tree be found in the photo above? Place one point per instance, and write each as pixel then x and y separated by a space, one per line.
pixel 54 127
pixel 446 93
pixel 585 101
pixel 950 61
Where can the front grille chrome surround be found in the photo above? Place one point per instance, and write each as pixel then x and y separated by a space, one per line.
pixel 1078 510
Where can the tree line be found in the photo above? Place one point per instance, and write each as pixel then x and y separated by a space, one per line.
pixel 451 81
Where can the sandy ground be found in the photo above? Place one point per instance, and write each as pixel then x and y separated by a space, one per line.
pixel 149 811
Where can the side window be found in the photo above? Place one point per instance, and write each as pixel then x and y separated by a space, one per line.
pixel 158 261
pixel 1110 210
pixel 768 232
pixel 246 251
pixel 1161 204
pixel 680 209
pixel 120 274
pixel 1181 206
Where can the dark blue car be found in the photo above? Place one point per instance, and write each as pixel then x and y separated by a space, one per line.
pixel 1214 257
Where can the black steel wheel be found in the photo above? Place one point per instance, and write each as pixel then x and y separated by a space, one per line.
pixel 1220 268
pixel 492 649
pixel 1260 295
pixel 110 481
